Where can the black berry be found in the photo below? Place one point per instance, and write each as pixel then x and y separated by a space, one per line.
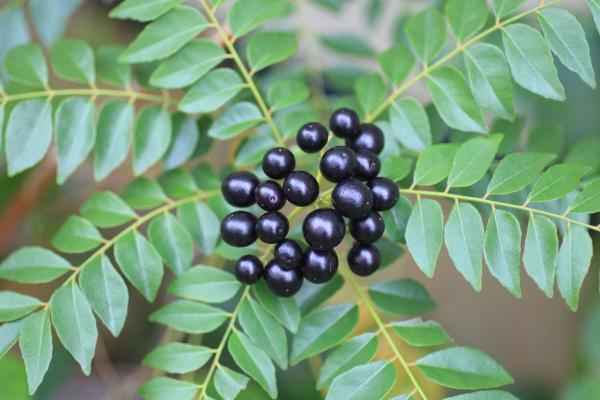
pixel 319 266
pixel 324 229
pixel 238 188
pixel 300 188
pixel 269 196
pixel 368 166
pixel 272 227
pixel 283 282
pixel 385 193
pixel 352 198
pixel 344 123
pixel 369 137
pixel 364 259
pixel 248 269
pixel 278 163
pixel 288 254
pixel 238 229
pixel 338 163
pixel 367 229
pixel 312 137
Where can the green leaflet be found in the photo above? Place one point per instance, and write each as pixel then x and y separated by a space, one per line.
pixel 183 143
pixel 434 164
pixel 247 15
pixel 395 168
pixel 229 383
pixel 516 171
pixel 512 131
pixel 588 201
pixel 466 17
pixel 410 124
pixel 77 235
pixel 26 65
pixel 504 7
pixel 426 32
pixel 153 133
pixel 189 317
pixel 172 241
pixel 401 297
pixel 396 219
pixel 287 93
pixel 73 60
pixel 417 332
pixel 546 137
pixel 268 48
pixel 33 264
pixel 178 183
pixel 584 152
pixel 396 63
pixel 211 91
pixel 347 44
pixel 15 305
pixel 373 381
pixel 558 181
pixel 9 334
pixel 540 252
pixel 370 91
pixel 50 22
pixel 144 193
pixel 472 160
pixel 312 295
pixel 178 358
pixel 35 342
pixel 106 210
pixel 484 395
pixel 143 10
pixel 113 137
pixel 573 263
pixel 206 284
pixel 168 388
pixel 238 118
pixel 253 148
pixel 283 309
pixel 107 67
pixel 424 233
pixel 202 223
pixel 594 6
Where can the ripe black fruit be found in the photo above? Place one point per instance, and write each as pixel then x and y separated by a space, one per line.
pixel 288 254
pixel 369 137
pixel 368 166
pixel 352 198
pixel 283 282
pixel 364 259
pixel 324 229
pixel 385 193
pixel 338 163
pixel 344 123
pixel 238 229
pixel 312 137
pixel 319 266
pixel 368 229
pixel 248 269
pixel 238 188
pixel 278 162
pixel 269 196
pixel 272 227
pixel 300 188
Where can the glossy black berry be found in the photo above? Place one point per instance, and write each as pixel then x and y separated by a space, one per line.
pixel 352 198
pixel 312 137
pixel 319 266
pixel 300 188
pixel 278 163
pixel 238 188
pixel 385 193
pixel 248 269
pixel 368 166
pixel 367 229
pixel 238 229
pixel 338 163
pixel 269 196
pixel 369 137
pixel 364 259
pixel 283 282
pixel 288 254
pixel 344 123
pixel 272 227
pixel 323 229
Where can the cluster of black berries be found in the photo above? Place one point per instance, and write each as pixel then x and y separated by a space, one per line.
pixel 324 228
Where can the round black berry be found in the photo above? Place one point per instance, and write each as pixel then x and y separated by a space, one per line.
pixel 338 163
pixel 319 266
pixel 278 163
pixel 369 137
pixel 344 123
pixel 364 259
pixel 272 227
pixel 269 196
pixel 385 193
pixel 367 229
pixel 324 229
pixel 288 254
pixel 238 229
pixel 248 269
pixel 283 282
pixel 238 188
pixel 300 188
pixel 368 166
pixel 352 198
pixel 312 137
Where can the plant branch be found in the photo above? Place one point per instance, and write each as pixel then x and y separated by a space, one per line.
pixel 131 94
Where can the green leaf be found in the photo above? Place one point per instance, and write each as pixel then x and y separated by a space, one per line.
pixel 113 138
pixel 347 44
pixel 567 40
pixel 396 168
pixel 172 242
pixel 484 395
pixel 463 368
pixel 312 295
pixel 322 329
pixel 268 48
pixel 426 32
pixel 206 284
pixel 35 342
pixel 202 223
pixel 573 263
pixel 168 388
pixel 75 134
pixel 33 265
pixel 184 142
pixel 424 233
pixel 253 148
pixel 546 137
pixel 165 36
pixel 178 358
pixel 373 381
pixel 106 292
pixel 396 219
pixel 73 60
pixel 178 183
pixel 357 351
pixel 585 152
pixel 50 19
pixel 516 171
pixel 253 361
pixel 189 317
pixel 247 15
pixel 286 93
pixel 588 201
pixel 410 124
pixel 237 119
pixel 140 263
pixel 153 133
pixel 396 63
pixel 211 91
pixel 26 65
pixel 419 333
pixel 594 6
pixel 77 235
pixel 16 305
pixel 502 249
pixel 229 383
pixel 558 181
pixel 504 7
pixel 454 101
pixel 540 252
pixel 109 69
pixel 107 210
pixel 28 134
pixel 466 17
pixel 370 91
pixel 434 164
pixel 143 10
pixel 530 61
pixel 75 324
pixel 401 297
pixel 473 159
pixel 283 309
pixel 9 334
pixel 144 193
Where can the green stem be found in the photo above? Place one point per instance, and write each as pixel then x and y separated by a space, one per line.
pixel 90 92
